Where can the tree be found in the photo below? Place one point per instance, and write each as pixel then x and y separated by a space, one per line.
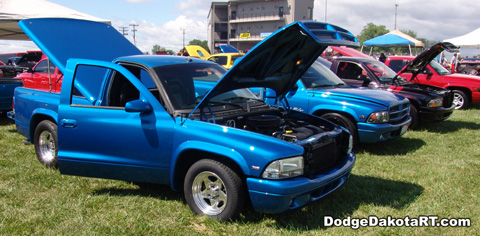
pixel 156 48
pixel 371 31
pixel 203 44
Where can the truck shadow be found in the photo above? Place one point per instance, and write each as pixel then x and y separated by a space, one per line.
pixel 357 191
pixel 447 126
pixel 4 120
pixel 144 190
pixel 400 146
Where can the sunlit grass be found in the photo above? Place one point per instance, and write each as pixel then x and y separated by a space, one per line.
pixel 433 170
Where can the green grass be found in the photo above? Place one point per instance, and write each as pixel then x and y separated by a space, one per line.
pixel 433 170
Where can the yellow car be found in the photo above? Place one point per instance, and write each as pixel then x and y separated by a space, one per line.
pixel 224 59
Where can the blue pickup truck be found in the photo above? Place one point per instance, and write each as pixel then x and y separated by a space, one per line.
pixel 371 115
pixel 7 86
pixel 126 116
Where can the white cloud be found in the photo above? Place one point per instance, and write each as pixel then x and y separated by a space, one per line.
pixel 169 35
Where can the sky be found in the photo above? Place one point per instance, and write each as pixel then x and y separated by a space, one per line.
pixel 162 22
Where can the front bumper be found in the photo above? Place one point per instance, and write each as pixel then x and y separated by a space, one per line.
pixel 372 133
pixel 427 114
pixel 276 196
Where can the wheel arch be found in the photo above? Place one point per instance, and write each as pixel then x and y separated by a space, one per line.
pixel 188 155
pixel 464 90
pixel 38 117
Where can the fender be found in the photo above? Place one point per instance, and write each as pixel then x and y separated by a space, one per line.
pixel 207 147
pixel 33 120
pixel 335 108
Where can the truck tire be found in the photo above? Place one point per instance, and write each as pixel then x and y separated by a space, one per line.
pixel 45 140
pixel 345 122
pixel 460 100
pixel 213 189
pixel 414 115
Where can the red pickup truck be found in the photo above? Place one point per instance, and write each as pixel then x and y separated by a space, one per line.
pixel 43 76
pixel 424 70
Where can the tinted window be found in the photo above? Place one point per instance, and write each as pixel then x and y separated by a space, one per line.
pixel 178 81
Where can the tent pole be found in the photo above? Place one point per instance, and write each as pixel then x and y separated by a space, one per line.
pixel 410 48
pixel 371 49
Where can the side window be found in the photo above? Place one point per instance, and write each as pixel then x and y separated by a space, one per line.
pixel 396 65
pixel 42 67
pixel 87 84
pixel 147 81
pixel 348 70
pixel 121 91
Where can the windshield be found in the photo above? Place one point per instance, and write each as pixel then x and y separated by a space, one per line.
pixel 439 68
pixel 186 84
pixel 381 71
pixel 320 76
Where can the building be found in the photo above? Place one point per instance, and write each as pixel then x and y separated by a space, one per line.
pixel 244 23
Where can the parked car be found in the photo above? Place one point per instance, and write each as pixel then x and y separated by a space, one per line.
pixel 371 115
pixel 16 65
pixel 224 59
pixel 469 66
pixel 128 116
pixel 428 103
pixel 424 70
pixel 43 76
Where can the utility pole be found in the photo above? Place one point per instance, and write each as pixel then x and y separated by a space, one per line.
pixel 326 10
pixel 183 38
pixel 395 26
pixel 134 30
pixel 124 30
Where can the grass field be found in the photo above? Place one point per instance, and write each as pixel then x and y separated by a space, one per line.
pixel 430 171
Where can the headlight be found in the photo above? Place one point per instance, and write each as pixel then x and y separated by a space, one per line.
pixel 378 117
pixel 436 102
pixel 284 168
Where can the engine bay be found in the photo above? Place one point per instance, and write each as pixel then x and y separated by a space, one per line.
pixel 279 125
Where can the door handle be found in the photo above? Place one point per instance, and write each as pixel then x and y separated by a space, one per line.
pixel 68 123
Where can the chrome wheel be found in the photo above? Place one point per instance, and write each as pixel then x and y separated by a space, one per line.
pixel 45 140
pixel 458 100
pixel 46 143
pixel 209 193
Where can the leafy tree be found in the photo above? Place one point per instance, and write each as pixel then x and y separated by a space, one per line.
pixel 203 44
pixel 371 31
pixel 156 48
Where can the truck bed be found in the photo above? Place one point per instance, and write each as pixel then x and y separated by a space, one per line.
pixel 31 104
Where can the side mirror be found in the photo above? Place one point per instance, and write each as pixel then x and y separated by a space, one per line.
pixel 366 81
pixel 293 90
pixel 427 72
pixel 138 106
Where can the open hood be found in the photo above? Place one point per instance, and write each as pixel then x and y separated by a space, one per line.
pixel 281 59
pixel 61 39
pixel 419 63
pixel 196 51
pixel 228 49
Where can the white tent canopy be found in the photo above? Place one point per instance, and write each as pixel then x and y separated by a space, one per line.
pixel 471 39
pixel 12 11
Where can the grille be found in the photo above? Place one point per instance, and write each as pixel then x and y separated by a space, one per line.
pixel 399 113
pixel 324 156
